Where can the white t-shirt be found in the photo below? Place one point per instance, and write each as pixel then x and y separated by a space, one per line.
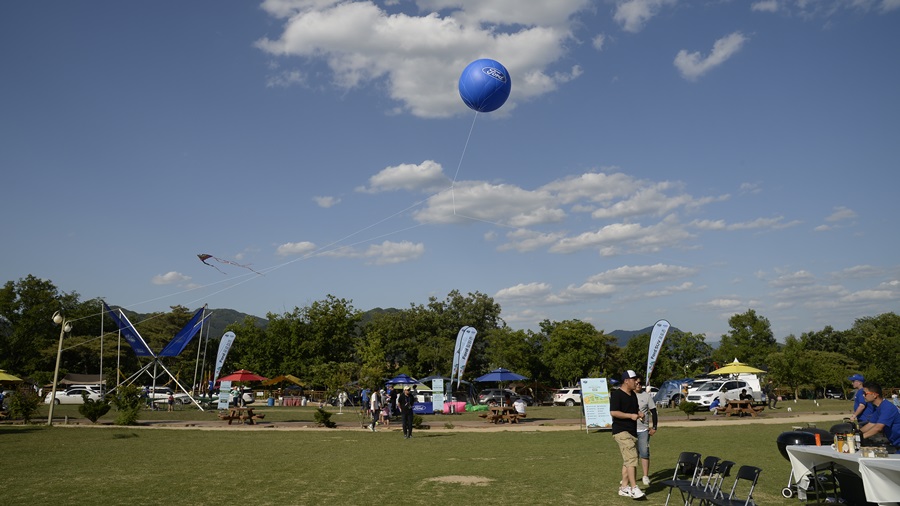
pixel 645 404
pixel 520 406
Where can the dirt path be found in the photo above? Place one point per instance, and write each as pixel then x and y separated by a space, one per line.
pixel 442 423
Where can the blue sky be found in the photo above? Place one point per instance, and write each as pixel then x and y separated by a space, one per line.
pixel 655 159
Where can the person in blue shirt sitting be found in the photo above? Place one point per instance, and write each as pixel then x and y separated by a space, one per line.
pixel 885 418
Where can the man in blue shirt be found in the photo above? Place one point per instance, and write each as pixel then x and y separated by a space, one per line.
pixel 862 411
pixel 885 417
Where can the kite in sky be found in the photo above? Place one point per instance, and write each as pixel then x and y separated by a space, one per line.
pixel 204 257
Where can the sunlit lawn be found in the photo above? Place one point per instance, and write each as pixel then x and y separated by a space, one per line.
pixel 122 465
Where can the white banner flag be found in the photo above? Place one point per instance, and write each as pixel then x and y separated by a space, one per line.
pixel 465 349
pixel 656 340
pixel 224 347
pixel 456 348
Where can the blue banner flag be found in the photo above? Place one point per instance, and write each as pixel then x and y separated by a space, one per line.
pixel 130 333
pixel 184 336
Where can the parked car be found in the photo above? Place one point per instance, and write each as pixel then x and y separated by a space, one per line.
pixel 489 395
pixel 731 388
pixel 162 394
pixel 73 396
pixel 567 396
pixel 833 392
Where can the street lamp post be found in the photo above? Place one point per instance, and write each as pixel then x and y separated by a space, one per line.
pixel 65 326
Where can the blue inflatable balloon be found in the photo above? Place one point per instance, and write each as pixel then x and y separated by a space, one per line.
pixel 484 85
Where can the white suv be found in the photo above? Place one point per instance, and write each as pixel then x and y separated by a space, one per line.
pixel 730 388
pixel 567 396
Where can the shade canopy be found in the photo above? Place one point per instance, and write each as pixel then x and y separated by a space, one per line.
pixel 402 379
pixel 9 378
pixel 243 376
pixel 500 374
pixel 284 378
pixel 737 368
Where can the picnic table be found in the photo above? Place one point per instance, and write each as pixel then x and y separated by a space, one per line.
pixel 244 415
pixel 740 408
pixel 500 414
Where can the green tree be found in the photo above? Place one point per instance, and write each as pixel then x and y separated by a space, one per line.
pixel 23 403
pixel 512 349
pixel 878 338
pixel 829 339
pixel 575 350
pixel 28 337
pixel 792 366
pixel 750 340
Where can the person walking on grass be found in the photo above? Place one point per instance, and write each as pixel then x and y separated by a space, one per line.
pixel 375 407
pixel 405 402
pixel 623 406
pixel 645 428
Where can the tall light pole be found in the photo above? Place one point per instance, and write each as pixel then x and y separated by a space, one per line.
pixel 65 326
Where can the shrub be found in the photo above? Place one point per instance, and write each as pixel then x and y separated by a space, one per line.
pixel 23 403
pixel 689 408
pixel 93 410
pixel 417 422
pixel 323 418
pixel 128 404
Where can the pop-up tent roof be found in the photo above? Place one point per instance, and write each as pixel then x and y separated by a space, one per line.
pixel 282 378
pixel 81 379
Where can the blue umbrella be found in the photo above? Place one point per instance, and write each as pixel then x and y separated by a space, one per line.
pixel 500 374
pixel 402 379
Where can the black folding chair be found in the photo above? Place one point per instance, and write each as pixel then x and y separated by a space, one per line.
pixel 686 470
pixel 703 479
pixel 749 474
pixel 714 488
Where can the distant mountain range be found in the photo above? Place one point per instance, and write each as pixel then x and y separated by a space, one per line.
pixel 623 336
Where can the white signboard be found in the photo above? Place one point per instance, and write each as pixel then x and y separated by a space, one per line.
pixel 437 394
pixel 595 402
pixel 224 394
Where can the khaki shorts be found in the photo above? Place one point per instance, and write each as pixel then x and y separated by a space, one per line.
pixel 628 448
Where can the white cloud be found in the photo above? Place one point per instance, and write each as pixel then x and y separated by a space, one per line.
pixel 765 6
pixel 394 252
pixel 387 252
pixel 633 14
pixel 693 65
pixel 295 248
pixel 523 291
pixel 326 202
pixel 794 279
pixel 841 213
pixel 418 56
pixel 170 278
pixel 427 176
pixel 776 223
pixel 598 41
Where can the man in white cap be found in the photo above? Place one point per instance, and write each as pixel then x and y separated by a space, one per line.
pixel 623 406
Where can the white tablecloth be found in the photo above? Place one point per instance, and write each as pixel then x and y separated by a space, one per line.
pixel 881 477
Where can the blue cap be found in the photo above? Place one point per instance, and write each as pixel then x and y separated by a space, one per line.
pixel 857 377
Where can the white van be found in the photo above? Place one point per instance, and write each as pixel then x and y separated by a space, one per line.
pixel 730 386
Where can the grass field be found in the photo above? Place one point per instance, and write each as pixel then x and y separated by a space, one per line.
pixel 124 465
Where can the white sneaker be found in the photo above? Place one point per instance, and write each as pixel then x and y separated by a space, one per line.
pixel 625 492
pixel 646 480
pixel 636 493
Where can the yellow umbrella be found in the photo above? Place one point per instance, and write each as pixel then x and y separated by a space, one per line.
pixel 737 368
pixel 8 378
